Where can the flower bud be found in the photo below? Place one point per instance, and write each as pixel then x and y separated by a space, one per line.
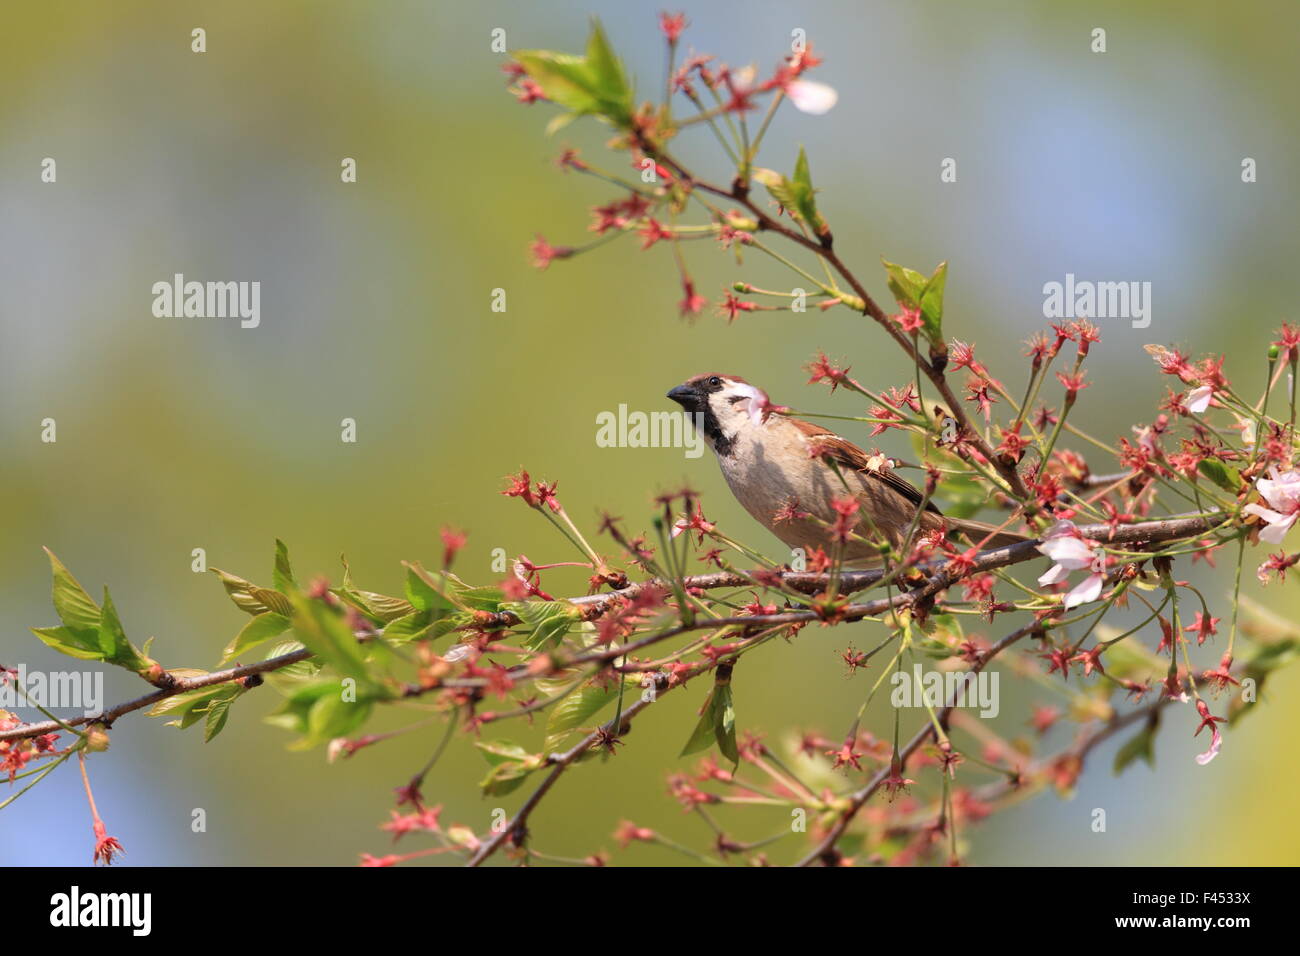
pixel 96 740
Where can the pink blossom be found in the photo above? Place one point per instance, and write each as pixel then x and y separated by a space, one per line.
pixel 1070 552
pixel 1213 752
pixel 809 96
pixel 1282 492
pixel 1198 399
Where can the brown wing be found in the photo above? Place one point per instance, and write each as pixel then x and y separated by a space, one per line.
pixel 849 455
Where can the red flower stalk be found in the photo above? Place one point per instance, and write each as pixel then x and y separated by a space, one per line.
pixel 543 252
pixel 106 847
pixel 452 542
pixel 672 25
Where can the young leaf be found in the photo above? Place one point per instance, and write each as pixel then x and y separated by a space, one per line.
pixel 215 717
pixel 805 196
pixel 282 575
pixel 380 608
pixel 319 712
pixel 1141 745
pixel 287 680
pixel 932 303
pixel 510 765
pixel 413 627
pixel 113 642
pixel 190 707
pixel 258 630
pixel 422 592
pixel 546 622
pixel 578 709
pixel 778 187
pixel 241 592
pixel 914 291
pixel 595 83
pixel 81 643
pixel 606 70
pixel 326 634
pixel 75 607
pixel 906 284
pixel 272 600
pixel 1225 476
pixel 717 723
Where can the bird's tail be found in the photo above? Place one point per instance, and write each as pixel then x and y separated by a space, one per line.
pixel 985 536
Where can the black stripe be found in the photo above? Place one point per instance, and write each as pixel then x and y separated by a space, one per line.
pixel 723 445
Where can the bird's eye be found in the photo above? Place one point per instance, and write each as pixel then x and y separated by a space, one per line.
pixel 715 381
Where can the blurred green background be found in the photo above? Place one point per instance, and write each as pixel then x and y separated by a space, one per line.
pixel 175 434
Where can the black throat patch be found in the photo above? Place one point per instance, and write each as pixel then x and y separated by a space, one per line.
pixel 722 445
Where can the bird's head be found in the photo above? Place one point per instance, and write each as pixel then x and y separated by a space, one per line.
pixel 725 407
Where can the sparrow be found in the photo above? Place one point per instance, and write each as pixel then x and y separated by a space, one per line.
pixel 776 466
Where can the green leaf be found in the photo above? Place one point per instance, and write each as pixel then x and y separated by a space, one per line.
pixel 478 598
pixel 377 607
pixel 726 726
pixel 318 713
pixel 75 607
pixel 546 622
pixel 502 751
pixel 914 291
pixel 577 710
pixel 510 765
pixel 287 680
pixel 325 632
pixel 594 83
pixel 906 284
pixel 272 600
pixel 1141 745
pixel 258 630
pixel 1225 476
pixel 717 723
pixel 932 303
pixel 964 496
pixel 241 592
pixel 78 643
pixel 414 626
pixel 216 714
pixel 282 575
pixel 804 196
pixel 192 706
pixel 605 68
pixel 1263 661
pixel 778 187
pixel 420 590
pixel 113 641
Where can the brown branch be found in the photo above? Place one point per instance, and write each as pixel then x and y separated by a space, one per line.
pixel 1080 749
pixel 1162 530
pixel 179 686
pixel 861 796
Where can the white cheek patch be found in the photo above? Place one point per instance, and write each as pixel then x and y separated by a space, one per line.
pixel 756 401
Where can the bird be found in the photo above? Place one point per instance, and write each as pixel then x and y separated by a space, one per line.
pixel 777 466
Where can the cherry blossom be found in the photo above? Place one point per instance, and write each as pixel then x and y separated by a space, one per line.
pixel 1070 552
pixel 1282 492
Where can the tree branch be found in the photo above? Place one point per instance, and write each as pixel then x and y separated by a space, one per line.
pixel 1158 531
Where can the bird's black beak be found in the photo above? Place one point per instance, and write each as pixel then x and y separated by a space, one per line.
pixel 685 396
